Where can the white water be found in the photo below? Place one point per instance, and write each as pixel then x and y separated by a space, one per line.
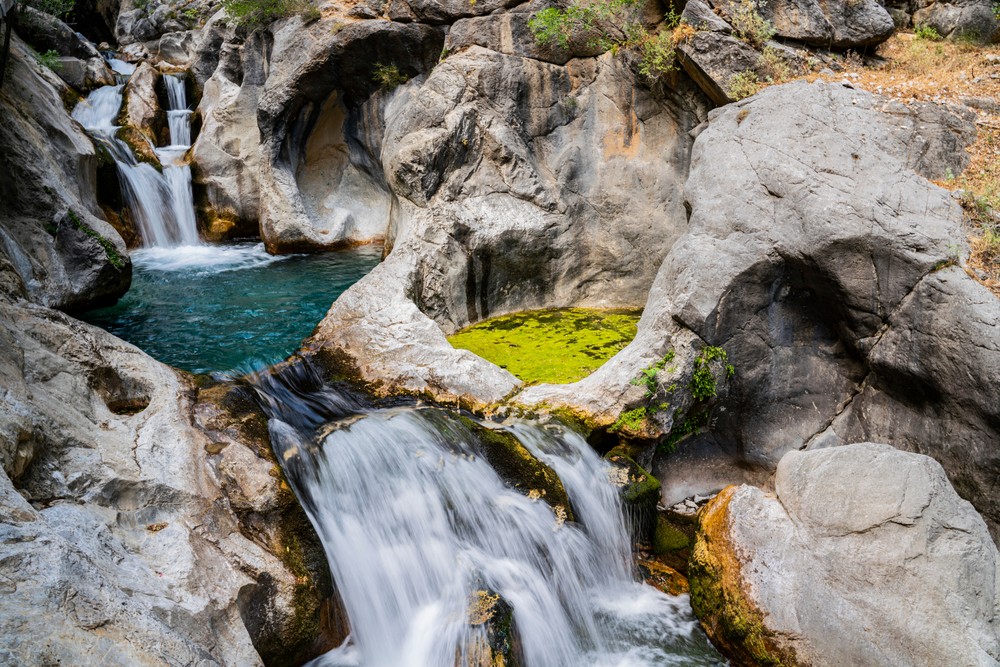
pixel 161 205
pixel 205 258
pixel 414 521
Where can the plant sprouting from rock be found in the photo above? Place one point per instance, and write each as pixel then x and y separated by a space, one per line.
pixel 255 14
pixel 388 76
pixel 50 59
pixel 57 8
pixel 614 25
pixel 702 384
pixel 743 84
pixel 749 25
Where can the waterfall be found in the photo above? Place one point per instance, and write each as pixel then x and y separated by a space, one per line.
pixel 414 522
pixel 161 205
pixel 175 170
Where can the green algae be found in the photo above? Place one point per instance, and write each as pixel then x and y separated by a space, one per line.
pixel 558 345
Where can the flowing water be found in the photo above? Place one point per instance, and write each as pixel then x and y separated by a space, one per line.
pixel 161 205
pixel 214 308
pixel 414 522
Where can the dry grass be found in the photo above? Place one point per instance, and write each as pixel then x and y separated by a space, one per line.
pixel 953 73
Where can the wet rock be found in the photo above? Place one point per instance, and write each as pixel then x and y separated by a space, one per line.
pixel 141 109
pixel 640 494
pixel 663 577
pixel 789 578
pixel 51 233
pixel 520 468
pixel 84 75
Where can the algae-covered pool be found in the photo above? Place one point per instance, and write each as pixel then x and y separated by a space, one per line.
pixel 557 345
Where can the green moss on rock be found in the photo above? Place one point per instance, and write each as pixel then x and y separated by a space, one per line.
pixel 518 467
pixel 554 345
pixel 640 492
pixel 668 537
pixel 718 595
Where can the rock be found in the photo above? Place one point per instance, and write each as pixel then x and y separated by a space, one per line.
pixel 130 532
pixel 842 24
pixel 712 59
pixel 518 467
pixel 973 18
pixel 227 152
pixel 141 109
pixel 640 493
pixel 45 32
pixel 109 557
pixel 493 163
pixel 320 115
pixel 907 325
pixel 818 573
pixel 56 246
pixel 178 48
pixel 663 577
pixel 492 639
pixel 509 33
pixel 699 14
pixel 85 75
pixel 447 11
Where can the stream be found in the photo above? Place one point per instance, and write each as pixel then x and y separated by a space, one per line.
pixel 415 524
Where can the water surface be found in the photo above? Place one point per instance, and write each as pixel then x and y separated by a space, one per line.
pixel 219 308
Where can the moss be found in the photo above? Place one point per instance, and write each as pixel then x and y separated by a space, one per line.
pixel 640 492
pixel 663 577
pixel 668 537
pixel 114 257
pixel 519 467
pixel 555 345
pixel 731 620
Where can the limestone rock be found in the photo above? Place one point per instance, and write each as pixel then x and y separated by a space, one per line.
pixel 130 533
pixel 493 165
pixel 712 59
pixel 60 250
pixel 832 295
pixel 141 109
pixel 819 573
pixel 843 24
pixel 973 18
pixel 85 75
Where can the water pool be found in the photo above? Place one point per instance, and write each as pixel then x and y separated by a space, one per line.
pixel 228 307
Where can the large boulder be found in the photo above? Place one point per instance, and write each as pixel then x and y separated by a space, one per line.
pixel 517 184
pixel 842 24
pixel 865 555
pixel 55 243
pixel 961 18
pixel 141 109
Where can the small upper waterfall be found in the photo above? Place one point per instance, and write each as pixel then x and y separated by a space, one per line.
pixel 415 523
pixel 161 204
pixel 175 169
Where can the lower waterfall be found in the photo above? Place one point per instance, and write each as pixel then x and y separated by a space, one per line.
pixel 416 524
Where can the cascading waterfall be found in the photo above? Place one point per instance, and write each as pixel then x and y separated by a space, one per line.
pixel 161 205
pixel 175 170
pixel 414 522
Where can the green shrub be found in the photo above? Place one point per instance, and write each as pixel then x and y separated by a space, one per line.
pixel 773 63
pixel 613 25
pixel 254 14
pixel 749 25
pixel 388 76
pixel 50 59
pixel 927 32
pixel 743 84
pixel 57 8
